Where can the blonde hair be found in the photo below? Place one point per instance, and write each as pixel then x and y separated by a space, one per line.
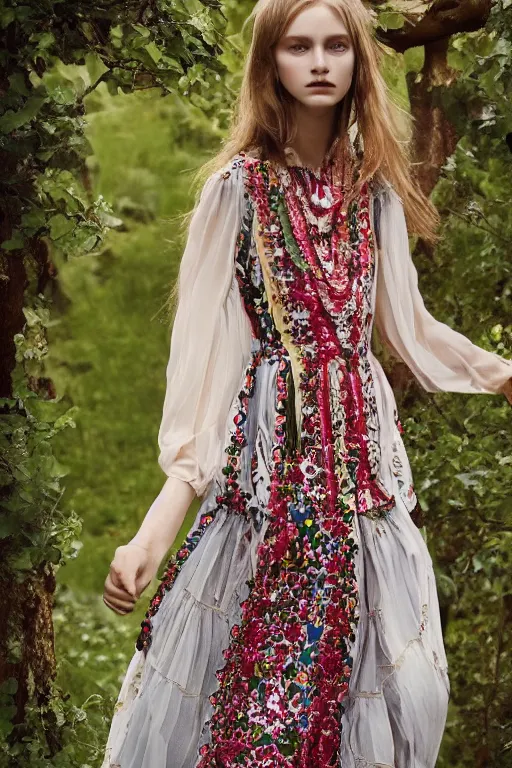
pixel 263 115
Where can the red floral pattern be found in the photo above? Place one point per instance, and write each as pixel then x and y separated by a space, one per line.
pixel 288 664
pixel 287 669
pixel 282 689
pixel 232 498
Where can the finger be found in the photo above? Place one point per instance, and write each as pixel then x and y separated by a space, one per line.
pixel 121 581
pixel 117 591
pixel 114 607
pixel 141 587
pixel 118 602
pixel 126 581
pixel 115 600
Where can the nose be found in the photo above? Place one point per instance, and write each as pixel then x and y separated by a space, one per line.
pixel 319 61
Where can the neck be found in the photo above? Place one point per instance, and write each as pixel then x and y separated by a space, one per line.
pixel 314 134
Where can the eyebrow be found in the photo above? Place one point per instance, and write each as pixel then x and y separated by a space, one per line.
pixel 340 36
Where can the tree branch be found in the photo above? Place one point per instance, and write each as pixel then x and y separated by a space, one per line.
pixel 444 18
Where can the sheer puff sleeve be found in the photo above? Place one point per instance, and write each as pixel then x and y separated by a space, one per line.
pixel 440 358
pixel 211 336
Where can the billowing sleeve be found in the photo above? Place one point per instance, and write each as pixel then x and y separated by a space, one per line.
pixel 211 336
pixel 440 358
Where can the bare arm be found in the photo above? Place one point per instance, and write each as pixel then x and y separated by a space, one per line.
pixel 164 518
pixel 136 563
pixel 210 346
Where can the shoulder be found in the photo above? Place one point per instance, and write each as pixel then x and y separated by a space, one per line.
pixel 224 184
pixel 233 177
pixel 234 165
pixel 230 176
pixel 241 161
pixel 225 190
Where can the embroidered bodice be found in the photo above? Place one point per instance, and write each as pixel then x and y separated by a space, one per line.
pixel 306 271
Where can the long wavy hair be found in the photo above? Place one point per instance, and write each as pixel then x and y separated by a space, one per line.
pixel 263 114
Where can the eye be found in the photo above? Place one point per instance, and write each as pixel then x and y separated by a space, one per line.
pixel 302 46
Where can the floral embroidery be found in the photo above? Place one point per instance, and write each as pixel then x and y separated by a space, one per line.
pixel 231 497
pixel 282 689
pixel 326 293
pixel 283 686
pixel 287 668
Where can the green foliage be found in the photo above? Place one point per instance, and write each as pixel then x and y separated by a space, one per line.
pixel 119 393
pixel 54 55
pixel 92 360
pixel 61 164
pixel 463 461
pixel 391 20
pixel 33 524
pixel 72 733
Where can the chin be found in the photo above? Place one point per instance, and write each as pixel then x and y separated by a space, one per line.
pixel 324 101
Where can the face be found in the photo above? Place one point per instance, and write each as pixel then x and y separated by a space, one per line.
pixel 316 46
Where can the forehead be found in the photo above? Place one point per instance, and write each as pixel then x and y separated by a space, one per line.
pixel 317 21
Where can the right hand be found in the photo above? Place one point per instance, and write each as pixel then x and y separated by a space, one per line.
pixel 131 570
pixel 507 390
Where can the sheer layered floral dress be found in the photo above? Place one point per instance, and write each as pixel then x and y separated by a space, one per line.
pixel 298 625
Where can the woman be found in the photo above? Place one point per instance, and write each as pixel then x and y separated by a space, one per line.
pixel 298 625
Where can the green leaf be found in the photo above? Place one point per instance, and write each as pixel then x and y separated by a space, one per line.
pixel 44 40
pixel 154 51
pixel 17 83
pixel 414 59
pixel 16 242
pixel 22 561
pixel 60 225
pixel 34 219
pixel 11 121
pixel 144 31
pixel 7 16
pixel 9 686
pixel 31 317
pixel 67 419
pixel 8 525
pixel 89 243
pixel 60 88
pixel 391 20
pixel 6 726
pixel 172 63
pixel 95 67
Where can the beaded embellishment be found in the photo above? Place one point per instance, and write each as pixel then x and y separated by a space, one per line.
pixel 282 689
pixel 305 267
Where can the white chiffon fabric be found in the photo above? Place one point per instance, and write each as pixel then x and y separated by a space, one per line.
pixel 440 358
pixel 210 341
pixel 399 688
pixel 211 336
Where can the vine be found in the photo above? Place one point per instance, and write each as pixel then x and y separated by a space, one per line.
pixel 54 55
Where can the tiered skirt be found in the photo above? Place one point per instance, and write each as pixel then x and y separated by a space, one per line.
pixel 396 709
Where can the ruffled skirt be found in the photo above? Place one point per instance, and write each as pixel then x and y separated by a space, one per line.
pixel 396 707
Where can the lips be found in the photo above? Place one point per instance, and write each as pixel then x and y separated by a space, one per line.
pixel 321 84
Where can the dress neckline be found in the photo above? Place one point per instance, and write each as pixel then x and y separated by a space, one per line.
pixel 293 160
